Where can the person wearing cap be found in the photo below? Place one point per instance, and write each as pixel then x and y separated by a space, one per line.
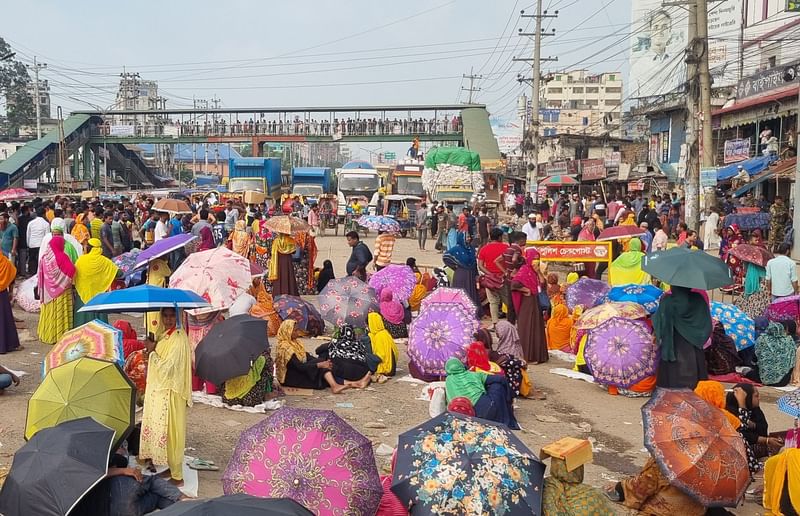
pixel 94 274
pixel 531 228
pixel 58 254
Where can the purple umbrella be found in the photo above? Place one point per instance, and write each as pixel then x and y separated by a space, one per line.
pixel 163 247
pixel 347 300
pixel 784 309
pixel 400 279
pixel 308 318
pixel 621 352
pixel 448 295
pixel 586 292
pixel 441 331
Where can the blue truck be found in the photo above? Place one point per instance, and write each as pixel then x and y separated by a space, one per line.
pixel 262 175
pixel 311 182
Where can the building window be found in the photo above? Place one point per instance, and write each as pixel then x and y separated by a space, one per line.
pixel 558 77
pixel 554 90
pixel 592 89
pixel 612 77
pixel 613 89
pixel 772 61
pixel 577 90
pixel 585 120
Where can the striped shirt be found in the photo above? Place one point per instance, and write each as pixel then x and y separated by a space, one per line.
pixel 384 246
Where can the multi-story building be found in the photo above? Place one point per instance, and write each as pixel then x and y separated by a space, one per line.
pixel 578 102
pixel 135 94
pixel 44 96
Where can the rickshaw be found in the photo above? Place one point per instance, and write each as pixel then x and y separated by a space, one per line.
pixel 403 209
pixel 327 213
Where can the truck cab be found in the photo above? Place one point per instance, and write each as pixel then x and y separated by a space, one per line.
pixel 357 180
pixel 311 182
pixel 406 179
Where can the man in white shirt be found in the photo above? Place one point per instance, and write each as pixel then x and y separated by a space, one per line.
pixel 231 216
pixel 38 227
pixel 782 274
pixel 530 228
pixel 162 227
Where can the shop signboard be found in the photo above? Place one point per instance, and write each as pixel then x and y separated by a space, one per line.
pixel 766 80
pixel 554 251
pixel 557 168
pixel 636 186
pixel 708 177
pixel 612 159
pixel 736 150
pixel 593 169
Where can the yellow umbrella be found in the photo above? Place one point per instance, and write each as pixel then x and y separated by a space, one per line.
pixel 85 387
pixel 599 314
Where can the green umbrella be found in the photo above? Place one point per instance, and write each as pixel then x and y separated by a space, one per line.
pixel 685 268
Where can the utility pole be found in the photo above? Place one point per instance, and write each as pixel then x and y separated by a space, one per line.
pixel 706 137
pixel 471 88
pixel 533 158
pixel 37 101
pixel 692 176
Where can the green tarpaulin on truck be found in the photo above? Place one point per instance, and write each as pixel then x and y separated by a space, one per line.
pixel 452 156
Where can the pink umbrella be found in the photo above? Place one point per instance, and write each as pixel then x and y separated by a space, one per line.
pixel 12 194
pixel 448 295
pixel 400 279
pixel 218 275
pixel 784 308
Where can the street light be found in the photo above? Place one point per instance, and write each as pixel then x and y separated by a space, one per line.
pixel 371 152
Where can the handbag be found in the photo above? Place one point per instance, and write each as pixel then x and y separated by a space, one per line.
pixel 491 281
pixel 544 301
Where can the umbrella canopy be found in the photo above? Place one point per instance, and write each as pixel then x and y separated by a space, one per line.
pixel 293 307
pixel 621 352
pixel 238 504
pixel 617 232
pixel 448 295
pixel 311 456
pixel 143 298
pixel 12 194
pixel 85 387
pixel 163 247
pixel 558 180
pixel 127 261
pixel 287 224
pixel 379 223
pixel 691 269
pixel 94 339
pixel 56 468
pixel 172 206
pixel 752 253
pixel 790 403
pixel 400 279
pixel 645 295
pixel 696 447
pixel 230 347
pixel 599 314
pixel 738 325
pixel 455 464
pixel 586 292
pixel 440 332
pixel 347 300
pixel 784 308
pixel 218 275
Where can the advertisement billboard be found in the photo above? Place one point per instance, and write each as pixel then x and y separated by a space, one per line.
pixel 508 133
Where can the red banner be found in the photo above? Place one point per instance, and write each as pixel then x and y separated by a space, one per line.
pixel 573 251
pixel 592 169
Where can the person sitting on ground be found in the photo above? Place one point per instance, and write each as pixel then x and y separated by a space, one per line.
pixel 383 346
pixel 565 494
pixel 489 394
pixel 721 355
pixel 348 358
pixel 627 268
pixel 7 377
pixel 325 275
pixel 419 292
pixel 297 368
pixel 558 329
pixel 744 401
pixel 394 315
pixel 775 355
pixel 781 488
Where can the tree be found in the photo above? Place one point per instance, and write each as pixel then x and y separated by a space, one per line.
pixel 14 85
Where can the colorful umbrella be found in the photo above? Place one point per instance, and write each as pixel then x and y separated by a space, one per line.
pixel 599 314
pixel 127 261
pixel 172 206
pixel 586 292
pixel 347 300
pixel 454 464
pixel 621 352
pixel 790 403
pixel 400 279
pixel 219 275
pixel 238 504
pixel 163 247
pixel 143 298
pixel 738 325
pixel 752 253
pixel 293 307
pixel 645 295
pixel 558 180
pixel 448 295
pixel 94 339
pixel 85 387
pixel 311 456
pixel 56 468
pixel 691 269
pixel 379 223
pixel 784 309
pixel 12 194
pixel 230 347
pixel 617 232
pixel 696 447
pixel 440 332
pixel 287 224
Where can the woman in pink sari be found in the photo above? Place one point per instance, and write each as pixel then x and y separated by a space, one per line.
pixel 525 293
pixel 56 270
pixel 587 235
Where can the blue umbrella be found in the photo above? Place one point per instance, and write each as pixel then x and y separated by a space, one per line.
pixel 645 295
pixel 144 298
pixel 379 223
pixel 738 325
pixel 790 403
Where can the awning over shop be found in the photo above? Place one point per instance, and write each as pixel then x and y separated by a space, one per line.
pixel 752 165
pixel 781 102
pixel 752 184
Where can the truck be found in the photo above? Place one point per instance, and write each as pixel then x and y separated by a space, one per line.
pixel 357 180
pixel 406 179
pixel 311 182
pixel 452 175
pixel 251 178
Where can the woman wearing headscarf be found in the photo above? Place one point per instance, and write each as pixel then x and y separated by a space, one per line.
pixel 733 239
pixel 721 355
pixel 587 235
pixel 508 340
pixel 252 388
pixel 393 315
pixel 489 394
pixel 241 239
pixel 206 239
pixel 325 275
pixel 525 292
pixel 94 274
pixel 660 239
pixel 55 276
pixel 294 367
pixel 348 356
pixel 559 328
pixel 627 268
pixel 9 338
pixel 281 267
pixel 158 273
pixel 461 258
pixel 72 247
pixel 775 355
pixel 264 307
pixel 81 233
pixel 554 290
pixel 682 325
pixel 744 402
pixel 782 483
pixel 382 344
pixel 418 294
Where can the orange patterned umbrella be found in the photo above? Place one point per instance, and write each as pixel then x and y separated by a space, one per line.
pixel 696 447
pixel 599 314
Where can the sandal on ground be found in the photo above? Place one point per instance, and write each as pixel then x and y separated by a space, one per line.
pixel 612 494
pixel 203 465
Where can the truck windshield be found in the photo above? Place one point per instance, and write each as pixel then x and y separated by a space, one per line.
pixel 361 183
pixel 410 185
pixel 307 190
pixel 240 184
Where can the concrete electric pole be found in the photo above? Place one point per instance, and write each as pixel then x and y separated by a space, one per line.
pixel 472 77
pixel 37 100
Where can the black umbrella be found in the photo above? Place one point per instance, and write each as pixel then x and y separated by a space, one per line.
pixel 56 468
pixel 238 504
pixel 230 348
